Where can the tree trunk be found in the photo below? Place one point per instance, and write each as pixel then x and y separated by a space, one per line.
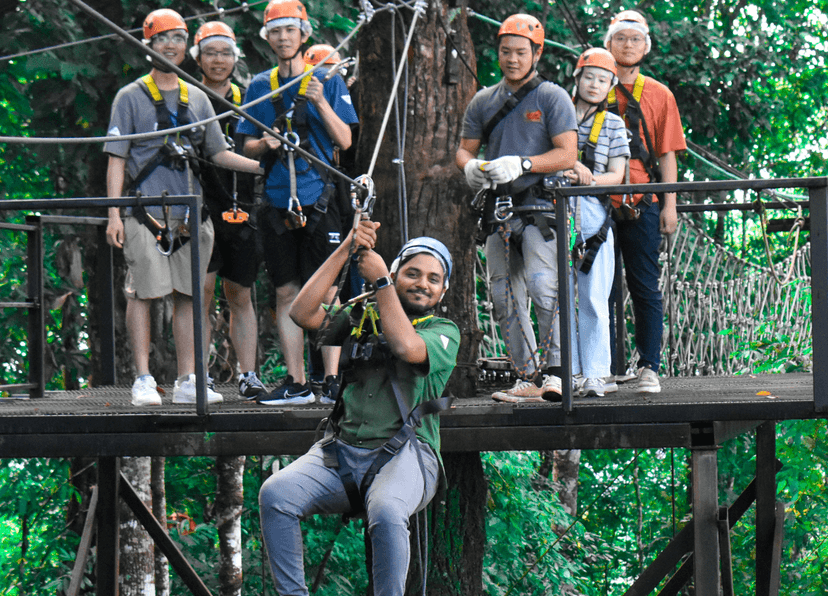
pixel 136 574
pixel 565 472
pixel 159 510
pixel 431 109
pixel 229 504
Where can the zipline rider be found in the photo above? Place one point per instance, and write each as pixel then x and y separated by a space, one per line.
pixel 381 449
pixel 229 197
pixel 152 237
pixel 528 128
pixel 300 225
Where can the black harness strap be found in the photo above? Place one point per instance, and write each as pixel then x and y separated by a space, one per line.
pixel 510 104
pixel 637 150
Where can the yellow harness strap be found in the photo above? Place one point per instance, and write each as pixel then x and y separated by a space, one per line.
pixel 237 99
pixel 638 90
pixel 303 87
pixel 597 123
pixel 155 93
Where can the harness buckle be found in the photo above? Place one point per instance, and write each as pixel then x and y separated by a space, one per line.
pixel 503 208
pixel 235 215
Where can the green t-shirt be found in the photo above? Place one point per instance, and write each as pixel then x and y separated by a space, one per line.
pixel 371 414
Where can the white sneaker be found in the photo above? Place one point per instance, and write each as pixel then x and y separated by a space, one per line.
pixel 551 388
pixel 145 392
pixel 593 388
pixel 610 386
pixel 522 392
pixel 185 393
pixel 648 381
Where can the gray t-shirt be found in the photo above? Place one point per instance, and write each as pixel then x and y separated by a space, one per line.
pixel 527 130
pixel 134 112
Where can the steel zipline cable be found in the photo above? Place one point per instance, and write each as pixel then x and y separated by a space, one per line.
pixel 221 12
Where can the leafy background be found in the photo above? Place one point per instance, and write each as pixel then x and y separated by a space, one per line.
pixel 750 81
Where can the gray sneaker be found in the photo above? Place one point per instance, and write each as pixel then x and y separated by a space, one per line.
pixel 647 381
pixel 610 386
pixel 593 388
pixel 250 385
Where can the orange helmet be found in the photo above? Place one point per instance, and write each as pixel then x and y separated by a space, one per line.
pixel 524 25
pixel 317 52
pixel 599 58
pixel 285 9
pixel 214 29
pixel 162 20
pixel 629 19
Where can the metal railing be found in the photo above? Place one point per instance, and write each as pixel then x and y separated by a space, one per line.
pixel 35 292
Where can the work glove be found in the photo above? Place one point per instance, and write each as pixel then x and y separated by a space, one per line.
pixel 504 169
pixel 475 176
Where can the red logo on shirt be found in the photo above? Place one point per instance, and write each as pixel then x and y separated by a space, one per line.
pixel 533 116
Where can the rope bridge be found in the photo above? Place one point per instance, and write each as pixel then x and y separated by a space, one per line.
pixel 720 312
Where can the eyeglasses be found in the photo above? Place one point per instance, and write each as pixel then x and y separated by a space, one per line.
pixel 176 38
pixel 622 39
pixel 214 55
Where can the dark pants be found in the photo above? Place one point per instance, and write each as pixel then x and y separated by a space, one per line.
pixel 638 242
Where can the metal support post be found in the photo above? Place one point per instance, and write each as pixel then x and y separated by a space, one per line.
pixel 705 513
pixel 818 198
pixel 564 306
pixel 106 310
pixel 198 310
pixel 765 505
pixel 620 329
pixel 109 523
pixel 724 548
pixel 37 313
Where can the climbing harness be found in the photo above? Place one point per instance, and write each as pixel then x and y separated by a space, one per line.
pixel 174 154
pixel 629 208
pixel 234 215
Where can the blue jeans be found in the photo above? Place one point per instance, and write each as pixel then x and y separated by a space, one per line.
pixel 638 242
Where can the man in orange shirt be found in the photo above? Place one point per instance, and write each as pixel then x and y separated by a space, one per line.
pixel 652 115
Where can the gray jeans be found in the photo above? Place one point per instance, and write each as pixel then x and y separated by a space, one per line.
pixel 306 487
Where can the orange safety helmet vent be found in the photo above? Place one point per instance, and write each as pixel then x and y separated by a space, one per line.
pixel 523 25
pixel 162 20
pixel 599 58
pixel 317 52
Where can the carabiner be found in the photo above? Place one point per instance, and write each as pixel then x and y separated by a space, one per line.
pixel 503 208
pixel 366 207
pixel 295 218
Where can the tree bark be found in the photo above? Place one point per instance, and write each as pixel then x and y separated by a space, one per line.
pixel 159 510
pixel 137 575
pixel 229 504
pixel 565 471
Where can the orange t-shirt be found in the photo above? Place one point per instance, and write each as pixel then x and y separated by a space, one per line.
pixel 658 105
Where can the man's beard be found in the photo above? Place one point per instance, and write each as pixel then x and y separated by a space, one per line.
pixel 411 308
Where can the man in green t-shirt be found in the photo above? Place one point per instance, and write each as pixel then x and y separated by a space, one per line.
pixel 399 359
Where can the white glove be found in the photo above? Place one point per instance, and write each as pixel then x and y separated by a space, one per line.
pixel 504 169
pixel 475 176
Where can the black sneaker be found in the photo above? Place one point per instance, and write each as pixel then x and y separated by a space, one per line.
pixel 330 390
pixel 250 385
pixel 288 393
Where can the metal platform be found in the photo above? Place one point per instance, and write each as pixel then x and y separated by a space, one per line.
pixel 688 412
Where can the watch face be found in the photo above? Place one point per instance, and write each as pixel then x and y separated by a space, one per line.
pixel 527 165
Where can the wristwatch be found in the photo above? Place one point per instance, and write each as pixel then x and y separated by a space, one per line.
pixel 382 282
pixel 526 164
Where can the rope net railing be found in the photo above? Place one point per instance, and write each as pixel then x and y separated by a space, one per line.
pixel 722 314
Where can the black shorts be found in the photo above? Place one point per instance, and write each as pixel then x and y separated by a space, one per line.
pixel 235 253
pixel 294 255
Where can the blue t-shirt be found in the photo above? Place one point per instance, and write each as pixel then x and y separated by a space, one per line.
pixel 309 184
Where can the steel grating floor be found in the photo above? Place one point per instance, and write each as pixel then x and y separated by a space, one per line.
pixel 102 421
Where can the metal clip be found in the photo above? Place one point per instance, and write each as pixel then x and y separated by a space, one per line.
pixel 478 203
pixel 295 218
pixel 503 208
pixel 366 207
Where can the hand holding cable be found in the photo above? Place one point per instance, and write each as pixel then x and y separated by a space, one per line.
pixel 475 176
pixel 503 169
